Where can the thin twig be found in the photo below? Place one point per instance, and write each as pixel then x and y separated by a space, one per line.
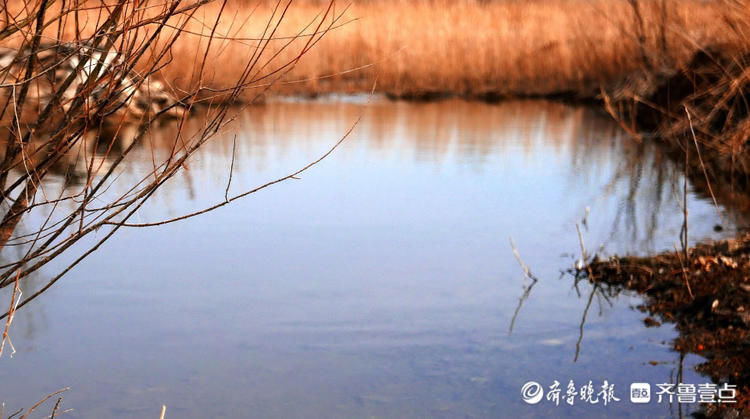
pixel 703 167
pixel 526 288
pixel 54 410
pixel 231 169
pixel 684 273
pixel 583 322
pixel 44 399
pixel 685 236
pixel 243 194
pixel 15 298
pixel 584 257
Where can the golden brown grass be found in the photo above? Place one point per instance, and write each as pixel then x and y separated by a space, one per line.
pixel 467 47
pixel 454 46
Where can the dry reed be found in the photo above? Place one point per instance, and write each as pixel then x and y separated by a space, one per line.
pixel 468 47
pixel 475 48
pixel 465 47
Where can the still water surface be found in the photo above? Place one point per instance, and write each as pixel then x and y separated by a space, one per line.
pixel 382 283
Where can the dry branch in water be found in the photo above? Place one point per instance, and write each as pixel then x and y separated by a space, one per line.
pixel 526 288
pixel 43 400
pixel 83 87
pixel 15 298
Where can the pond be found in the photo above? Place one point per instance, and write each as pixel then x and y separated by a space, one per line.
pixel 382 283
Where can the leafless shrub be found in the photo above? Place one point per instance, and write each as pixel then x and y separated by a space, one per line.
pixel 80 91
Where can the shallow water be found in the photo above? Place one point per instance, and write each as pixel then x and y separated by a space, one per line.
pixel 382 283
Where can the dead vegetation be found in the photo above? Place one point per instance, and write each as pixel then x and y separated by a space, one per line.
pixel 701 109
pixel 87 111
pixel 430 48
pixel 491 50
pixel 699 112
pixel 707 298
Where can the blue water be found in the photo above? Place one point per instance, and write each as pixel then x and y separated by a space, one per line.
pixel 382 283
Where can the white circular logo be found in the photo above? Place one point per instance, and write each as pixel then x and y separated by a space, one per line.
pixel 532 392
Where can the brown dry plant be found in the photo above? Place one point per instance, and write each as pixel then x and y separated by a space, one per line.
pixel 78 95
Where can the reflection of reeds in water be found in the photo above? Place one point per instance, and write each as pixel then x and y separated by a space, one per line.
pixel 602 163
pixel 428 131
pixel 649 185
pixel 431 131
pixel 469 132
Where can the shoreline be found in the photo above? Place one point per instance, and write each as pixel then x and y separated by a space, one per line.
pixel 707 298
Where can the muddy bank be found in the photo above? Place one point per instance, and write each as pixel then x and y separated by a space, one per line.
pixel 707 297
pixel 699 114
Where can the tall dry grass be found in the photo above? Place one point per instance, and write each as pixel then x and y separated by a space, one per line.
pixel 471 47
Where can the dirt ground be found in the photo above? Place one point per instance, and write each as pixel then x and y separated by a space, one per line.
pixel 707 297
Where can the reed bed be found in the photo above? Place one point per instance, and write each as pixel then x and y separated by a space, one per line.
pixel 419 48
pixel 466 47
pixel 475 48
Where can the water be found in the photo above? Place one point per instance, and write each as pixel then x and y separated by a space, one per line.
pixel 382 283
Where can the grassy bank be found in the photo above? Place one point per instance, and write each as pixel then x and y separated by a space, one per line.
pixel 427 47
pixel 467 47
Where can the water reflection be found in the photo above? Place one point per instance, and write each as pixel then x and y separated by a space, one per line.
pixel 381 283
pixel 470 133
pixel 632 187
